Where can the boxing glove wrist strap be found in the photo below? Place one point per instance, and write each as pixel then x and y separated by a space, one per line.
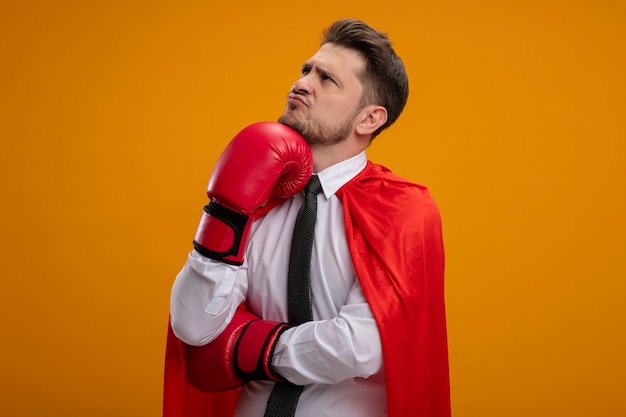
pixel 255 348
pixel 221 221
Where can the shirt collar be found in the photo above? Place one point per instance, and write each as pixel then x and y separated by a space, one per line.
pixel 335 176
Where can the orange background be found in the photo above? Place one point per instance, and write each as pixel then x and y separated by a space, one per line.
pixel 112 114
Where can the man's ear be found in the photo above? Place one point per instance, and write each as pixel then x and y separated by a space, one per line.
pixel 370 119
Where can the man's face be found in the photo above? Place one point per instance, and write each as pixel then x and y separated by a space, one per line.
pixel 324 102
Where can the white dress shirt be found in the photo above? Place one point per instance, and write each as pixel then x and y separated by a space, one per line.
pixel 338 355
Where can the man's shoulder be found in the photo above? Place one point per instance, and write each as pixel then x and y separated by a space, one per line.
pixel 382 202
pixel 376 176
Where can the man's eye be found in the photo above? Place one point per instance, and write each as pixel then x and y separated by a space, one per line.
pixel 325 77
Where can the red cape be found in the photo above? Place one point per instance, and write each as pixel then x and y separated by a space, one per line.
pixel 394 234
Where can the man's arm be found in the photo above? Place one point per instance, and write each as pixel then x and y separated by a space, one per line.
pixel 263 162
pixel 204 298
pixel 331 351
pixel 325 351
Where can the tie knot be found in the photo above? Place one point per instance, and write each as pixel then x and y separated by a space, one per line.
pixel 313 186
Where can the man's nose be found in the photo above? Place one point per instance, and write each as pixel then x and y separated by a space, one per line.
pixel 303 85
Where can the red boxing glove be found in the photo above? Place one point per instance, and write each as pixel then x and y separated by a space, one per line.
pixel 242 352
pixel 265 160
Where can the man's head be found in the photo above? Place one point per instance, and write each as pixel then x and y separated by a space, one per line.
pixel 351 89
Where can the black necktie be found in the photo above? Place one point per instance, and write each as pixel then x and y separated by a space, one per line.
pixel 284 397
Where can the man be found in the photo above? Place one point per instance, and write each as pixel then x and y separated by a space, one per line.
pixel 376 343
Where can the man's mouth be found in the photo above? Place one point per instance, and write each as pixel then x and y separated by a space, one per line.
pixel 294 98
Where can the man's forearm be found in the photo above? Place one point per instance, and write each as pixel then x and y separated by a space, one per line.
pixel 331 351
pixel 204 298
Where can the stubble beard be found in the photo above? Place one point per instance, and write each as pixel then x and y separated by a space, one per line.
pixel 314 133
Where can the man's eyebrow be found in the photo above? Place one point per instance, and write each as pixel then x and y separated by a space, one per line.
pixel 324 71
pixel 307 67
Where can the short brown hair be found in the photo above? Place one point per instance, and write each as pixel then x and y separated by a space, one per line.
pixel 385 81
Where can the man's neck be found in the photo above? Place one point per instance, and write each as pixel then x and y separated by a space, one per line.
pixel 325 156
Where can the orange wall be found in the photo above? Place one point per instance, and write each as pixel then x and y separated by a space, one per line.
pixel 113 112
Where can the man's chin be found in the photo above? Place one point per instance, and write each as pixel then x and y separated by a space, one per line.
pixel 285 119
pixel 291 122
